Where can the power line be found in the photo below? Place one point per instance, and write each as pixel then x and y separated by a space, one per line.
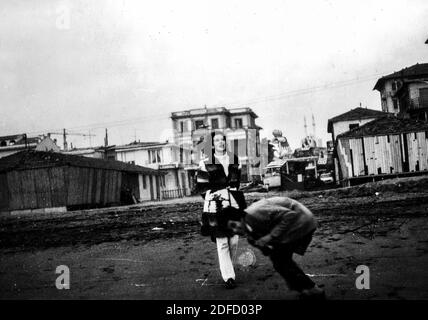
pixel 101 125
pixel 302 91
pixel 236 103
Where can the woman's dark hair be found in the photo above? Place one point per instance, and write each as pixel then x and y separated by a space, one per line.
pixel 214 133
pixel 209 147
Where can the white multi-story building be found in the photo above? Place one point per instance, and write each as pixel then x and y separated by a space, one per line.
pixel 163 156
pixel 242 135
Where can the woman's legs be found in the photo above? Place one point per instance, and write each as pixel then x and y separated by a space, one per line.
pixel 226 248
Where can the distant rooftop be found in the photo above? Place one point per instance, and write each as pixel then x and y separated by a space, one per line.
pixel 416 71
pixel 386 125
pixel 20 139
pixel 355 114
pixel 211 111
pixel 31 159
pixel 135 145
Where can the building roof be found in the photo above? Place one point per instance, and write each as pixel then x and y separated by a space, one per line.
pixel 20 139
pixel 211 111
pixel 416 71
pixel 355 114
pixel 139 145
pixel 385 126
pixel 30 159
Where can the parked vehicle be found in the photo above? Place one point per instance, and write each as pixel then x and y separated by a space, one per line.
pixel 326 178
pixel 272 177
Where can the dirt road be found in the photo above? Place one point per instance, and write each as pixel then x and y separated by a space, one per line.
pixel 155 252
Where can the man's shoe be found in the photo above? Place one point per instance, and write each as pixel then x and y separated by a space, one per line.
pixel 230 283
pixel 315 293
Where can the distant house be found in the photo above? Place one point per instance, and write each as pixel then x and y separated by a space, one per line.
pixel 98 153
pixel 166 157
pixel 405 92
pixel 348 121
pixel 385 147
pixel 351 120
pixel 14 143
pixel 34 180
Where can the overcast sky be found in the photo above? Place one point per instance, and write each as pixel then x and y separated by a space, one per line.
pixel 126 65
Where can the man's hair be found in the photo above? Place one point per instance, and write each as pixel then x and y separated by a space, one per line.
pixel 230 214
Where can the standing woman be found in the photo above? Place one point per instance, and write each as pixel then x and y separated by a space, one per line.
pixel 219 173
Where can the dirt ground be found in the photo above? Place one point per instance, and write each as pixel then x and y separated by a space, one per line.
pixel 154 250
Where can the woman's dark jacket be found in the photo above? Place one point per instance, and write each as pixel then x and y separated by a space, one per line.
pixel 216 179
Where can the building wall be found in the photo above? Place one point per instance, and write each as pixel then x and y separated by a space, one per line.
pixel 67 186
pixel 414 93
pixel 144 183
pixel 386 98
pixel 382 154
pixel 62 186
pixel 169 154
pixel 343 126
pixel 47 144
pixel 418 154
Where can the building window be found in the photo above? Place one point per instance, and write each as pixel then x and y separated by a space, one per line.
pixel 395 102
pixel 154 156
pixel 377 140
pixel 181 126
pixel 353 126
pixel 199 124
pixel 423 98
pixel 238 123
pixel 181 155
pixel 131 162
pixel 214 123
pixel 257 146
pixel 144 182
pixel 394 86
pixel 384 106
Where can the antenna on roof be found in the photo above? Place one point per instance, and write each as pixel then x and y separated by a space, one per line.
pixel 313 125
pixel 306 130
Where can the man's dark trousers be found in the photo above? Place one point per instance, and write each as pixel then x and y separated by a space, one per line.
pixel 282 259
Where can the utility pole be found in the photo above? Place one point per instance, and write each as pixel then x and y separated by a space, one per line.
pixel 313 124
pixel 106 139
pixel 65 134
pixel 306 127
pixel 64 137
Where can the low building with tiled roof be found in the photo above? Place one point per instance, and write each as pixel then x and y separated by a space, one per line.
pixel 405 91
pixel 352 119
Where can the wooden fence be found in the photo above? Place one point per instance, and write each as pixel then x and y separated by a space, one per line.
pixel 174 193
